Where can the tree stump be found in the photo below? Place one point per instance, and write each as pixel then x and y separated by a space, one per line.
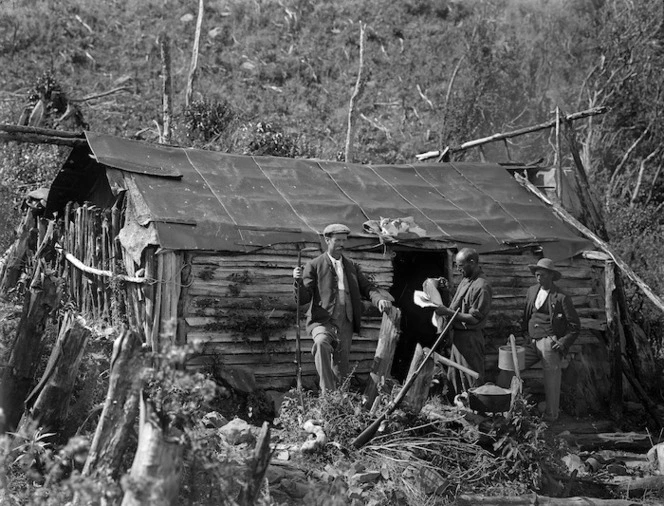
pixel 120 407
pixel 258 465
pixel 156 472
pixel 387 343
pixel 419 392
pixel 48 403
pixel 17 377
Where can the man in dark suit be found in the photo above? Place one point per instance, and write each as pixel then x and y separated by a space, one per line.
pixel 333 286
pixel 551 325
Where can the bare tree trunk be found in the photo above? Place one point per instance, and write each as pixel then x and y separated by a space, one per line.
pixel 120 408
pixel 48 403
pixel 26 240
pixel 19 374
pixel 614 341
pixel 167 85
pixel 194 55
pixel 357 93
pixel 156 473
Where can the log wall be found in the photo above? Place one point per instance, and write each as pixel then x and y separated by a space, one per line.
pixel 242 310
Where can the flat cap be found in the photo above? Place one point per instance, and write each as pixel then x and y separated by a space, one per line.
pixel 336 228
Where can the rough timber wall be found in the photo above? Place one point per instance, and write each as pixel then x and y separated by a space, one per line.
pixel 585 378
pixel 242 309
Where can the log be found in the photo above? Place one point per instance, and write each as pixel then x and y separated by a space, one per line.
pixel 194 55
pixel 15 261
pixel 388 337
pixel 540 500
pixel 357 93
pixel 515 133
pixel 624 441
pixel 257 466
pixel 48 403
pixel 120 407
pixel 419 392
pixel 167 85
pixel 639 486
pixel 16 380
pixel 156 472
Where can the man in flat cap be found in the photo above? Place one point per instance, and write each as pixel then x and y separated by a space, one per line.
pixel 551 325
pixel 333 286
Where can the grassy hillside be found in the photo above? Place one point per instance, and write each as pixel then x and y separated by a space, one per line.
pixel 276 76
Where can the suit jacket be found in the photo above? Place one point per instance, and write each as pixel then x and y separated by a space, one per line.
pixel 319 289
pixel 564 320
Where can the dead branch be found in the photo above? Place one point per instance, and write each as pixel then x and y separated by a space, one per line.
pixel 424 97
pixel 639 179
pixel 522 131
pixel 376 125
pixel 194 55
pixel 357 93
pixel 623 161
pixel 167 84
pixel 100 95
pixel 99 272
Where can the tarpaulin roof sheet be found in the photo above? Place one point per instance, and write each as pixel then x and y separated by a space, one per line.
pixel 207 200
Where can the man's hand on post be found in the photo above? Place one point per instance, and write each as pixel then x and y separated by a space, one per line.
pixel 384 305
pixel 297 272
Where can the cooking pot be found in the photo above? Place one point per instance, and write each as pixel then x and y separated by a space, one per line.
pixel 489 398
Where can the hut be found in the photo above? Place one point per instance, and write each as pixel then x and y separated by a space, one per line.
pixel 198 247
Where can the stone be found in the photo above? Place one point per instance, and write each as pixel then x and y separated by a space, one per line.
pixel 574 463
pixel 237 431
pixel 213 420
pixel 656 457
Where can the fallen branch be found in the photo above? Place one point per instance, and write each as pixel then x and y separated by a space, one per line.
pixel 531 499
pixel 100 95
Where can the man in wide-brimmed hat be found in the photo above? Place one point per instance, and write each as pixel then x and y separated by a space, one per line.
pixel 552 326
pixel 333 286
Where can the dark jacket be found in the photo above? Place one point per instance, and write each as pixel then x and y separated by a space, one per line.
pixel 565 322
pixel 319 287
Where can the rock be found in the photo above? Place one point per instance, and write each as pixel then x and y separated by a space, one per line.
pixel 593 464
pixel 187 18
pixel 366 477
pixel 213 420
pixel 617 469
pixel 237 431
pixel 656 457
pixel 574 463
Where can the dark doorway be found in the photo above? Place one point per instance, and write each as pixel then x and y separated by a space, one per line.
pixel 411 268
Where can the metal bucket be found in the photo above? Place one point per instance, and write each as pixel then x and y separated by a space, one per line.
pixel 505 360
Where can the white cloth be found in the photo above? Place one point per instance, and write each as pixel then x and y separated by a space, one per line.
pixel 541 298
pixel 339 268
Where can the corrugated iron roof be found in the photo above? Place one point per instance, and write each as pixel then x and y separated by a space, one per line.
pixel 206 200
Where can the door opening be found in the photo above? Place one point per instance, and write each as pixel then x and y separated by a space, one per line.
pixel 411 269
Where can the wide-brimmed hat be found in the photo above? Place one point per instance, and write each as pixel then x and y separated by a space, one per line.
pixel 547 265
pixel 336 228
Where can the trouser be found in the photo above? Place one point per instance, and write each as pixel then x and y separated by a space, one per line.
pixel 467 350
pixel 331 350
pixel 541 349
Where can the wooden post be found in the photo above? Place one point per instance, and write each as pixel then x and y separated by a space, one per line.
pixel 26 236
pixel 559 159
pixel 156 472
pixel 418 394
pixel 48 403
pixel 120 407
pixel 594 219
pixel 387 342
pixel 614 346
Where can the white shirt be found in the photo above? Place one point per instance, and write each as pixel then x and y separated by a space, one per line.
pixel 541 298
pixel 339 268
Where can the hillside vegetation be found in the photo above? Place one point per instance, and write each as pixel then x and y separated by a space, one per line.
pixel 276 76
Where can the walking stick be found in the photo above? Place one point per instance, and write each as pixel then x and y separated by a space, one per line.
pixel 298 343
pixel 370 431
